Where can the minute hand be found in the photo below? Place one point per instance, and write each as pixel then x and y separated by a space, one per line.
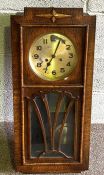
pixel 56 49
pixel 53 56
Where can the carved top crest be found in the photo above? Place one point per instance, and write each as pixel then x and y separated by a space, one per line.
pixel 53 15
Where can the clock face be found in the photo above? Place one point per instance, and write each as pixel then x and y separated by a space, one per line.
pixel 53 57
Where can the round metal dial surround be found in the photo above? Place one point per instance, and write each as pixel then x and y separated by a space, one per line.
pixel 53 57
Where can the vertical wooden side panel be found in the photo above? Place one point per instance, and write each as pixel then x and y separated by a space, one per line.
pixel 15 33
pixel 26 117
pixel 76 131
pixel 86 122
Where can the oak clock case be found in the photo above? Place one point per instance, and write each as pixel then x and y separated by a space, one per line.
pixel 52 56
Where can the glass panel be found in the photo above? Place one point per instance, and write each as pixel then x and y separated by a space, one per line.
pixel 37 143
pixel 52 99
pixel 43 112
pixel 68 134
pixel 67 139
pixel 52 137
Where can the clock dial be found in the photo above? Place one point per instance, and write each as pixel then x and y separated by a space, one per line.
pixel 53 57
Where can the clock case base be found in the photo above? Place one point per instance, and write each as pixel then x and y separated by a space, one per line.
pixel 25 82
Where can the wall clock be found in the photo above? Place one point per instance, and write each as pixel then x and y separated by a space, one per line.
pixel 52 56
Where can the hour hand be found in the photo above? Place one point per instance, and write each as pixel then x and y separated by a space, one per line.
pixel 48 64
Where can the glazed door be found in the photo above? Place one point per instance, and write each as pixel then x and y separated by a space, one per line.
pixel 52 126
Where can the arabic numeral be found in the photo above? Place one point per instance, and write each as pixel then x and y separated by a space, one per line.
pixel 54 72
pixel 68 64
pixel 39 47
pixel 45 41
pixel 36 56
pixel 39 64
pixel 62 70
pixel 68 47
pixel 70 55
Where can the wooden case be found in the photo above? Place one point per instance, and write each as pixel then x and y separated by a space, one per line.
pixel 26 86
